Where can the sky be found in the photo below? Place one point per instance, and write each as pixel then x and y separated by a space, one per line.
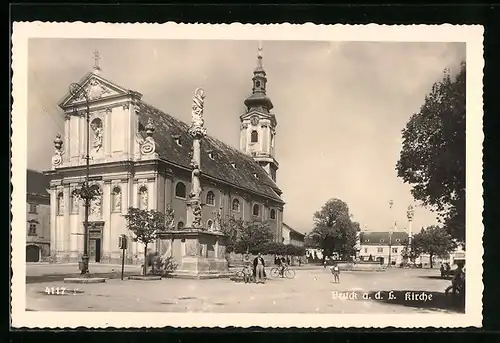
pixel 340 108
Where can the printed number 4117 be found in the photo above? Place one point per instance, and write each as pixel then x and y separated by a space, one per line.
pixel 55 290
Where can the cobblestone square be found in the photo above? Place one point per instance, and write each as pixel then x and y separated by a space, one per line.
pixel 311 291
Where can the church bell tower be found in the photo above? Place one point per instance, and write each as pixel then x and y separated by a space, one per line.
pixel 258 124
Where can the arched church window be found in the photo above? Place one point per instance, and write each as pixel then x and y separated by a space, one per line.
pixel 257 84
pixel 210 198
pixel 236 205
pixel 272 213
pixel 74 201
pixel 116 199
pixel 210 223
pixel 180 225
pixel 143 198
pixel 256 210
pixel 180 190
pixel 60 204
pixel 254 136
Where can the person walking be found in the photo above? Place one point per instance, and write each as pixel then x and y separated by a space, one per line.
pixel 259 269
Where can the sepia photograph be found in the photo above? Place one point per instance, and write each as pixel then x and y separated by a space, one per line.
pixel 213 180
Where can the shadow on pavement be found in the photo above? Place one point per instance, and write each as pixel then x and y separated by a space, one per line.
pixel 434 301
pixel 61 277
pixel 435 277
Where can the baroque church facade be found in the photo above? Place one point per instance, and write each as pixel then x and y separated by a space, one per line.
pixel 140 157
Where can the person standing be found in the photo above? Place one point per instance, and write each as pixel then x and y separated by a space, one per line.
pixel 336 273
pixel 259 269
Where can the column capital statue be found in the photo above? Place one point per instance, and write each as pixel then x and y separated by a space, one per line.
pixel 197 128
pixel 410 213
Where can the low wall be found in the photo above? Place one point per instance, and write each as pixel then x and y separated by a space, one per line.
pixel 364 266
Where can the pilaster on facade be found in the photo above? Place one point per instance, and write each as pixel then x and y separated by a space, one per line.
pixel 106 210
pixel 53 222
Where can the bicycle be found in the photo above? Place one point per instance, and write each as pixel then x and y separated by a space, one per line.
pixel 285 273
pixel 240 275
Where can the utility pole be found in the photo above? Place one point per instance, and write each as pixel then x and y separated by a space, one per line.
pixel 85 192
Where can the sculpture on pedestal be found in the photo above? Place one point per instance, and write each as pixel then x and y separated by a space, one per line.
pixel 197 131
pixel 217 226
pixel 148 145
pixel 58 151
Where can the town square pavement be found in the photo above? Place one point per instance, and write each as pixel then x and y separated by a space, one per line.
pixel 311 291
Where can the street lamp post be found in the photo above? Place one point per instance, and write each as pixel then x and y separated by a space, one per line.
pixel 410 214
pixel 86 193
pixel 390 237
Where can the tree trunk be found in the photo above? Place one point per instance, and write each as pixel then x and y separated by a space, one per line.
pixel 144 271
pixel 431 255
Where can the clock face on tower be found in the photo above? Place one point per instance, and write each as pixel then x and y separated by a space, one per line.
pixel 254 120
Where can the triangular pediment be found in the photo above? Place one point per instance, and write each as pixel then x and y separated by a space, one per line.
pixel 95 88
pixel 255 112
pixel 259 114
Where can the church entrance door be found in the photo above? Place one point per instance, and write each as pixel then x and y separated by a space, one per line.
pixel 95 250
pixel 95 242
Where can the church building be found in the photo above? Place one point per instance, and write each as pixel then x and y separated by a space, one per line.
pixel 140 157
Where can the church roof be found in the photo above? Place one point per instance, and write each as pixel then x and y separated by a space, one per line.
pixel 246 173
pixel 289 228
pixel 36 183
pixel 378 238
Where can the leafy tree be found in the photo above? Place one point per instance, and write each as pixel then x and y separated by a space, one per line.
pixel 309 241
pixel 435 241
pixel 145 225
pixel 432 158
pixel 231 228
pixel 334 230
pixel 253 237
pixel 410 254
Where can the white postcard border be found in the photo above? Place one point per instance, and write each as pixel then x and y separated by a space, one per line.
pixel 472 35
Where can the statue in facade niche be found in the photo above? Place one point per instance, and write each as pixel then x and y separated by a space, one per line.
pixel 96 126
pixel 144 198
pixel 218 220
pixel 118 200
pixel 95 205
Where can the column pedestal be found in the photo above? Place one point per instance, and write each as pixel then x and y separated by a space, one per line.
pixel 195 254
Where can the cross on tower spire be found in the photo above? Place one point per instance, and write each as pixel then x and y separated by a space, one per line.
pixel 259 57
pixel 97 57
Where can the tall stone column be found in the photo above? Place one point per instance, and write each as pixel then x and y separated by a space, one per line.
pixel 67 224
pixel 53 224
pixel 108 132
pixel 67 137
pixel 74 228
pixel 197 131
pixel 106 215
pixel 409 214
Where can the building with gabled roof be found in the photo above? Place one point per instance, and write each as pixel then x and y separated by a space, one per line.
pixel 140 157
pixel 37 217
pixel 292 236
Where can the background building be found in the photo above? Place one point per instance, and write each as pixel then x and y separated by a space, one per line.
pixel 141 158
pixel 378 244
pixel 38 217
pixel 291 236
